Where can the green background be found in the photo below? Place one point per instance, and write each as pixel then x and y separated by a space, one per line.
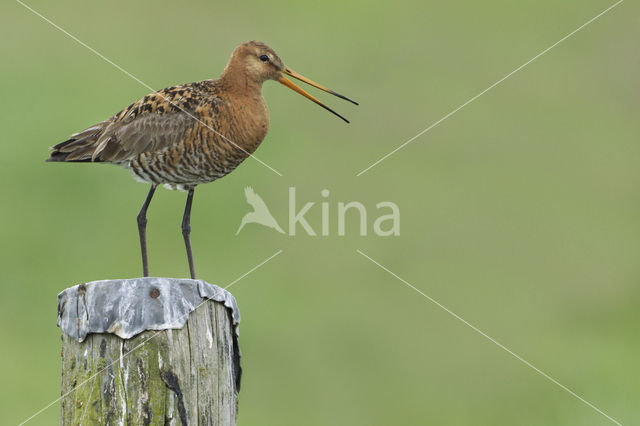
pixel 519 213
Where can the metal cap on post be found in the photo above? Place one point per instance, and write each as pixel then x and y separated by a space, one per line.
pixel 149 351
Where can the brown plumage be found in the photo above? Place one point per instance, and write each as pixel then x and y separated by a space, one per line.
pixel 190 134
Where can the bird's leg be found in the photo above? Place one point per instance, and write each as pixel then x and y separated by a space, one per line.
pixel 142 230
pixel 186 231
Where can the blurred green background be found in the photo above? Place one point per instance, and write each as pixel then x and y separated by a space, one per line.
pixel 519 213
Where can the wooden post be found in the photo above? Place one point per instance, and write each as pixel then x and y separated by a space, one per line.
pixel 154 351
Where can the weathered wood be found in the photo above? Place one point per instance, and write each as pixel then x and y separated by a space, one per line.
pixel 186 376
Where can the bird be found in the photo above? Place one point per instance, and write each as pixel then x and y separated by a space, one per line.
pixel 189 134
pixel 260 213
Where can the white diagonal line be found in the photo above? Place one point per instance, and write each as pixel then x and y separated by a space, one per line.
pixel 489 88
pixel 86 404
pixel 76 39
pixel 500 345
pixel 142 343
pixel 253 269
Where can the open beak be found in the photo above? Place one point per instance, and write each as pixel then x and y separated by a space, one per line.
pixel 285 81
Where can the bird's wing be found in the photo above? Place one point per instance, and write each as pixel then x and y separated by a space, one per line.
pixel 249 193
pixel 255 200
pixel 150 124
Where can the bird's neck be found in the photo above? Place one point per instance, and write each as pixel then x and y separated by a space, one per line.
pixel 237 81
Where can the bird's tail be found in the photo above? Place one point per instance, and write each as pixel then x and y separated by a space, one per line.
pixel 80 147
pixel 242 224
pixel 65 152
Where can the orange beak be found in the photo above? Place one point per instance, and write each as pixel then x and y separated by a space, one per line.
pixel 285 81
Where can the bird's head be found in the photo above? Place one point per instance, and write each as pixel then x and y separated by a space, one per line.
pixel 259 63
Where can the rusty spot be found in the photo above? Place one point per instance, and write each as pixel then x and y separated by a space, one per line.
pixel 154 293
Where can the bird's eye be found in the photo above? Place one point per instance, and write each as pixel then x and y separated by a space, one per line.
pixel 264 58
